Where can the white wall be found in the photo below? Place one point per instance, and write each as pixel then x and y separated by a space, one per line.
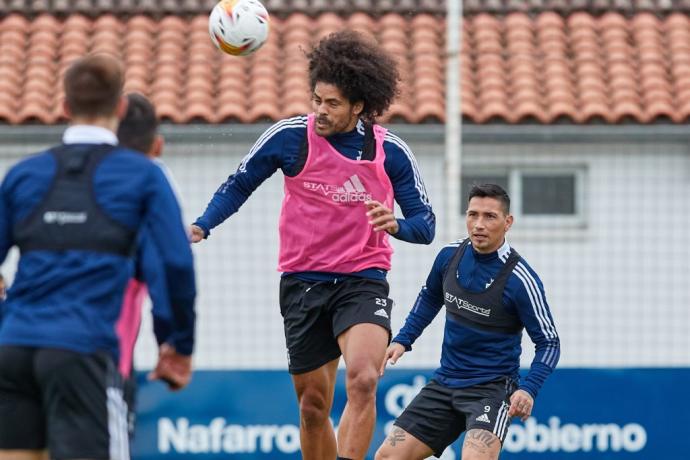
pixel 618 287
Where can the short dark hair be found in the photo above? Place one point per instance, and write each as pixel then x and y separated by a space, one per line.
pixel 93 85
pixel 491 191
pixel 360 68
pixel 138 128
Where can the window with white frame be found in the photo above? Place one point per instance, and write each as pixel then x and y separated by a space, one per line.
pixel 544 195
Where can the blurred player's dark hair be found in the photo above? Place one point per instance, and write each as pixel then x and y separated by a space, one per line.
pixel 138 128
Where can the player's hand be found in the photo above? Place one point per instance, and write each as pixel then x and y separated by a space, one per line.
pixel 381 217
pixel 393 354
pixel 521 404
pixel 172 368
pixel 196 233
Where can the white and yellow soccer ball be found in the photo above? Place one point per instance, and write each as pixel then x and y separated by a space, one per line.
pixel 238 27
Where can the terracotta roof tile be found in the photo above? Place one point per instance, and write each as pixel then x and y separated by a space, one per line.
pixel 568 6
pixel 46 22
pixel 313 8
pixel 518 68
pixel 168 111
pixel 199 110
pixel 77 22
pixel 9 89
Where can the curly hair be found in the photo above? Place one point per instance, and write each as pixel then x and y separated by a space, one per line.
pixel 360 69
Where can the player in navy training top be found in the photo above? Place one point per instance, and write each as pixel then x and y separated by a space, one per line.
pixel 490 294
pixel 138 131
pixel 75 211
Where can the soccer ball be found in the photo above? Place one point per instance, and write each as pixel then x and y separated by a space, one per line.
pixel 238 27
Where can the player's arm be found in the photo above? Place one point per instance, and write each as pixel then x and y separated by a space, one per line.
pixel 150 271
pixel 163 221
pixel 5 235
pixel 269 153
pixel 428 304
pixel 164 225
pixel 173 368
pixel 535 314
pixel 429 301
pixel 419 222
pixel 5 223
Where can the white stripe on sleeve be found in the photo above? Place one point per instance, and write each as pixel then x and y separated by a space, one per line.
pixel 294 122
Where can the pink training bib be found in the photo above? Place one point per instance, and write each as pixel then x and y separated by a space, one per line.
pixel 127 326
pixel 323 222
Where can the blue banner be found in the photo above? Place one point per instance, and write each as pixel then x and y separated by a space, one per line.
pixel 580 413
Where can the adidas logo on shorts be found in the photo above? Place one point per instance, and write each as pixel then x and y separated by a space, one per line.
pixel 381 312
pixel 483 418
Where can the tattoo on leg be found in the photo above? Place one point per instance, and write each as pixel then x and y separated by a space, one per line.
pixel 396 435
pixel 474 445
pixel 484 437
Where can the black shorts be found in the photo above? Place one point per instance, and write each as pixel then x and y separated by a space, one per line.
pixel 316 313
pixel 67 402
pixel 129 394
pixel 438 415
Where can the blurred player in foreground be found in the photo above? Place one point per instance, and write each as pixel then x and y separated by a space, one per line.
pixel 342 172
pixel 490 294
pixel 74 212
pixel 3 294
pixel 138 131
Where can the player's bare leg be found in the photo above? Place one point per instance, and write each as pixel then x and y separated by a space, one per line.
pixel 363 347
pixel 401 445
pixel 24 455
pixel 315 398
pixel 481 445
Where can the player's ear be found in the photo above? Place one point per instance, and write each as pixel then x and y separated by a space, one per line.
pixel 357 107
pixel 157 146
pixel 509 222
pixel 121 109
pixel 66 110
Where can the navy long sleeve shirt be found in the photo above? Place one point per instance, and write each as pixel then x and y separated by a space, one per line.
pixel 471 356
pixel 278 148
pixel 150 270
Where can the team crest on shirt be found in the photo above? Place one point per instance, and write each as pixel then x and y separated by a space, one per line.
pixel 351 191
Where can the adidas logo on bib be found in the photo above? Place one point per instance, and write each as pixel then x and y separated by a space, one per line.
pixel 483 418
pixel 352 190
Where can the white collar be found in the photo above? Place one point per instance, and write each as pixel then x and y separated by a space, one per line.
pixel 88 134
pixel 504 250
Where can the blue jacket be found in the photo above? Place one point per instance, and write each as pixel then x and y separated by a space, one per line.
pixel 523 296
pixel 71 299
pixel 149 270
